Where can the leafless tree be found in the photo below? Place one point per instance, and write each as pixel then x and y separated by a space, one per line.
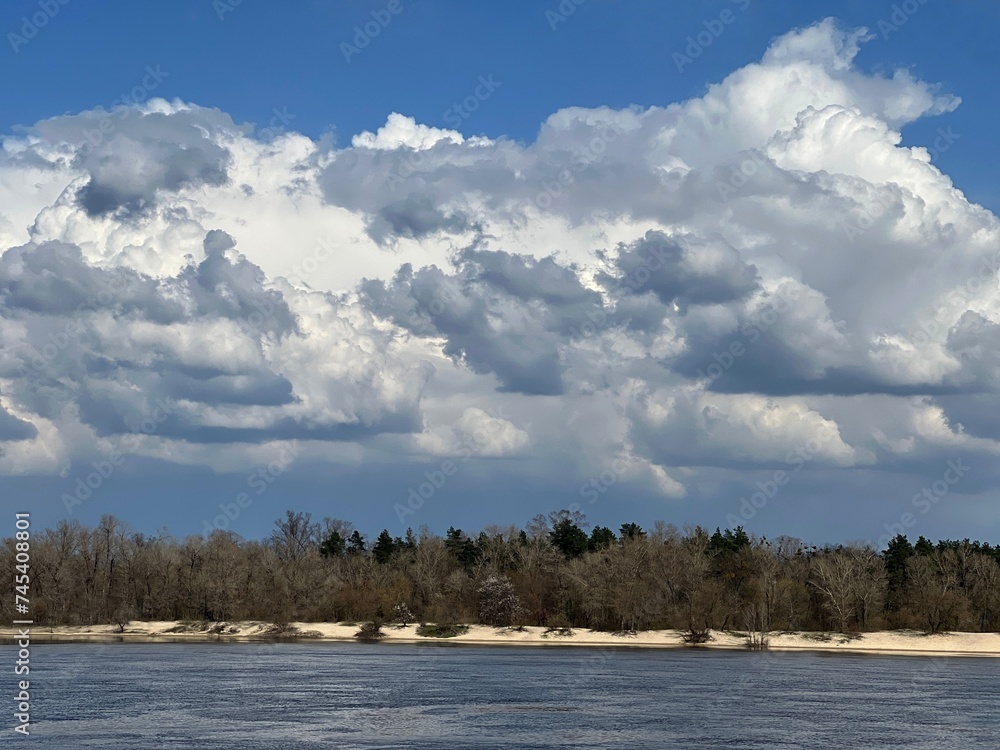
pixel 664 579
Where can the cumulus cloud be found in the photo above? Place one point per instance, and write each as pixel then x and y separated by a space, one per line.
pixel 129 155
pixel 212 354
pixel 501 314
pixel 685 272
pixel 698 287
pixel 475 433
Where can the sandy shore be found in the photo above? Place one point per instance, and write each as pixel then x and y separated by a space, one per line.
pixel 886 642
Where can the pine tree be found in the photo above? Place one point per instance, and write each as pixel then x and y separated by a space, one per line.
pixel 896 554
pixel 356 544
pixel 568 538
pixel 462 548
pixel 334 545
pixel 631 531
pixel 601 538
pixel 384 547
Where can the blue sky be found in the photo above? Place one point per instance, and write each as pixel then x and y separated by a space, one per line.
pixel 264 56
pixel 155 196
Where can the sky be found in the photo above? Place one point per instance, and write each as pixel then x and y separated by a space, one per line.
pixel 432 262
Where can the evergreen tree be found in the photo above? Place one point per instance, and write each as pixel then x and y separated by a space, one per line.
pixel 462 548
pixel 601 538
pixel 384 547
pixel 334 545
pixel 568 538
pixel 697 580
pixel 410 542
pixel 728 542
pixel 923 546
pixel 631 531
pixel 896 554
pixel 356 544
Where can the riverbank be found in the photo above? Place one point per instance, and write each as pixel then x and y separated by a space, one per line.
pixel 884 642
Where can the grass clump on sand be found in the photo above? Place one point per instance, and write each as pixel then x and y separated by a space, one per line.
pixel 444 630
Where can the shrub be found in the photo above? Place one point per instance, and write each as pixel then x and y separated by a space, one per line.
pixel 444 630
pixel 696 636
pixel 370 632
pixel 558 624
pixel 557 630
pixel 513 629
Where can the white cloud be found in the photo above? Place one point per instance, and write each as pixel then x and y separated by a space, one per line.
pixel 476 433
pixel 819 266
pixel 401 131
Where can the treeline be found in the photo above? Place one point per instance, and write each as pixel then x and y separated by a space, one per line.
pixel 554 573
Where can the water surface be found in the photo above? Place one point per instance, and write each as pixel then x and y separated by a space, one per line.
pixel 294 695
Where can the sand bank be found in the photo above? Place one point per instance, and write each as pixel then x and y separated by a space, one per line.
pixel 885 642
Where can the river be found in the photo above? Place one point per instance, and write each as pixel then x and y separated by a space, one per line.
pixel 297 695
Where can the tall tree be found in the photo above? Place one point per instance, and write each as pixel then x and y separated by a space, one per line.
pixel 334 545
pixel 896 555
pixel 294 535
pixel 384 547
pixel 631 531
pixel 600 538
pixel 356 544
pixel 568 538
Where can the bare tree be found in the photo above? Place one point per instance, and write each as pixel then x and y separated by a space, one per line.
pixel 833 573
pixel 934 591
pixel 853 582
pixel 109 574
pixel 294 535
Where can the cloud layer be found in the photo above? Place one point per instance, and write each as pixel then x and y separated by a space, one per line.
pixel 688 291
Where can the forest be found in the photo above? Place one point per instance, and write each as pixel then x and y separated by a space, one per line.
pixel 553 572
